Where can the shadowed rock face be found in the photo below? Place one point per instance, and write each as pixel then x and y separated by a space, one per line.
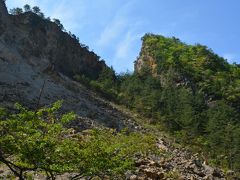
pixel 4 18
pixel 34 51
pixel 3 9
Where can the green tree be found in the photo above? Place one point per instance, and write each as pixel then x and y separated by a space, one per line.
pixel 36 10
pixel 108 153
pixel 107 78
pixel 35 140
pixel 16 11
pixel 106 83
pixel 27 8
pixel 38 141
pixel 58 22
pixel 222 133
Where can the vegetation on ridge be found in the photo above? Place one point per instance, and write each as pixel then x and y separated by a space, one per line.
pixel 36 10
pixel 189 90
pixel 193 92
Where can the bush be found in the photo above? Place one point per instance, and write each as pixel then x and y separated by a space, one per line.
pixel 35 140
pixel 38 141
pixel 16 11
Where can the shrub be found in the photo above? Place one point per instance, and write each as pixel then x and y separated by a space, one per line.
pixel 38 141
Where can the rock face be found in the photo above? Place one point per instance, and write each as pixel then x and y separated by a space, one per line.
pixel 145 60
pixel 42 43
pixel 4 18
pixel 3 10
pixel 33 52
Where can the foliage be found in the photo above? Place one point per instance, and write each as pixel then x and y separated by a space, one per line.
pixel 16 11
pixel 193 92
pixel 38 141
pixel 197 116
pixel 223 135
pixel 27 8
pixel 106 84
pixel 108 153
pixel 58 22
pixel 36 9
pixel 35 140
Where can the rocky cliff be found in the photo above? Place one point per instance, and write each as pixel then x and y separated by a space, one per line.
pixel 145 60
pixel 36 55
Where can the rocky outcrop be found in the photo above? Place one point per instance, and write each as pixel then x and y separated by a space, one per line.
pixel 3 11
pixel 145 60
pixel 42 43
pixel 174 163
pixel 4 18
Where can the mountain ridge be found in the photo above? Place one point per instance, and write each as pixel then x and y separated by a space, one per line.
pixel 40 64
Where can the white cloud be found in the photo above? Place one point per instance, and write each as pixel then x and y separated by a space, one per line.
pixel 118 25
pixel 124 48
pixel 121 35
pixel 70 13
pixel 112 31
pixel 125 51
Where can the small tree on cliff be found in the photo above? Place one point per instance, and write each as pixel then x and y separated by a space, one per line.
pixel 16 11
pixel 58 22
pixel 27 8
pixel 36 9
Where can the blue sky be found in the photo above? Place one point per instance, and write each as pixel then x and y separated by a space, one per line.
pixel 113 28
